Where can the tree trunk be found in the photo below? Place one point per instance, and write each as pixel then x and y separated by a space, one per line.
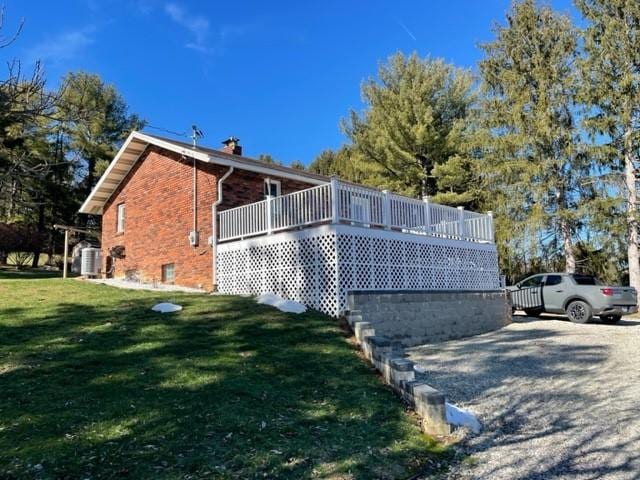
pixel 565 232
pixel 569 254
pixel 632 222
pixel 12 200
pixel 38 242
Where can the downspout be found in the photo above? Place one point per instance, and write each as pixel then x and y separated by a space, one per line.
pixel 214 230
pixel 195 197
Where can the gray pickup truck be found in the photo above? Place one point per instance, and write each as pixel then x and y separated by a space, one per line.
pixel 580 297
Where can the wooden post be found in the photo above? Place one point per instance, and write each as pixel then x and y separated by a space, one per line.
pixel 335 201
pixel 66 253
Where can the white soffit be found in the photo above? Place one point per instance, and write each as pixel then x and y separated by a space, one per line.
pixel 138 142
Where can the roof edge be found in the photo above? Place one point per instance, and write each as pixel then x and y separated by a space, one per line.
pixel 91 204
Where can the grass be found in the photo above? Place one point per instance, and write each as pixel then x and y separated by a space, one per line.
pixel 95 385
pixel 9 272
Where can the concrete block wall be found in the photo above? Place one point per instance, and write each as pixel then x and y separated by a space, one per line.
pixel 417 317
pixel 399 373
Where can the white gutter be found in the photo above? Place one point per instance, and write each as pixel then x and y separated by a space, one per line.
pixel 214 230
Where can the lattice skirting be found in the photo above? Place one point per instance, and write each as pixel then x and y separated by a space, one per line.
pixel 319 265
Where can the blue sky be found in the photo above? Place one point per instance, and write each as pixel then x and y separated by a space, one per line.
pixel 277 74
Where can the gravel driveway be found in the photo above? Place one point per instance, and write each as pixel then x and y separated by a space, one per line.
pixel 556 399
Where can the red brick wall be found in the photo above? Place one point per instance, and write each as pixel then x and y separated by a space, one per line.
pixel 158 215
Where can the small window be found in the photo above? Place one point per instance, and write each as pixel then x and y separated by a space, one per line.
pixel 532 282
pixel 271 187
pixel 120 218
pixel 586 280
pixel 553 280
pixel 168 273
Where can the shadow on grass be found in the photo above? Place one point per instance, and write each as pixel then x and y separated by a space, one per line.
pixel 11 273
pixel 226 389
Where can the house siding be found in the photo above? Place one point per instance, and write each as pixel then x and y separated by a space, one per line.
pixel 157 194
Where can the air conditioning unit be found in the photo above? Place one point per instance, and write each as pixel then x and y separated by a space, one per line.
pixel 90 265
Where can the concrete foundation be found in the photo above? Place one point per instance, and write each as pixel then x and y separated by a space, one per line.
pixel 416 317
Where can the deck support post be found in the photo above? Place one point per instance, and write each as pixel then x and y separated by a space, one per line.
pixel 386 210
pixel 490 226
pixel 463 233
pixel 269 215
pixel 427 215
pixel 335 201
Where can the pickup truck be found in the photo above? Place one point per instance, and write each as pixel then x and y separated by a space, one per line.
pixel 580 297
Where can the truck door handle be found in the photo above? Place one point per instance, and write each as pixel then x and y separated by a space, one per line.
pixel 559 291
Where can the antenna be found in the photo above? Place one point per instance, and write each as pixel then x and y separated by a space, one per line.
pixel 196 133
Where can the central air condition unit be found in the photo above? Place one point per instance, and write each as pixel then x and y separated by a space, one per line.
pixel 90 265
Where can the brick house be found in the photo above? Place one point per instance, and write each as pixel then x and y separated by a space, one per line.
pixel 157 191
pixel 216 220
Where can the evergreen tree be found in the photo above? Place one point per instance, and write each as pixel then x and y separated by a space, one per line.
pixel 344 163
pixel 412 122
pixel 297 164
pixel 533 161
pixel 611 73
pixel 266 158
pixel 94 121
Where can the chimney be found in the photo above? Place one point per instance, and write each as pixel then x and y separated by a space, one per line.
pixel 232 145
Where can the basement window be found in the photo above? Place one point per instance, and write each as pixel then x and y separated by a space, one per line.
pixel 120 218
pixel 168 273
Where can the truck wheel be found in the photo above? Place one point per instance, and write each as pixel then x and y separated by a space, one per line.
pixel 533 312
pixel 579 312
pixel 611 319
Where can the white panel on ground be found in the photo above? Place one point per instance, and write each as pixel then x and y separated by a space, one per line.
pixel 166 307
pixel 462 418
pixel 280 303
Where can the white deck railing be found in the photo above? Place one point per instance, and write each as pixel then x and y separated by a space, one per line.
pixel 354 205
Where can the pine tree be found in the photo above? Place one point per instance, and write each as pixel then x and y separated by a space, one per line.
pixel 411 123
pixel 611 73
pixel 94 122
pixel 532 157
pixel 297 164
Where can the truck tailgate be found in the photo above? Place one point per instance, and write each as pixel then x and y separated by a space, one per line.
pixel 623 296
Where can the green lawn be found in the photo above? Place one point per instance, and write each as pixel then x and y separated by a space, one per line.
pixel 95 385
pixel 9 273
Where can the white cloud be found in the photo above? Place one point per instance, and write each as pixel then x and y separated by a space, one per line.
pixel 62 47
pixel 197 25
pixel 205 39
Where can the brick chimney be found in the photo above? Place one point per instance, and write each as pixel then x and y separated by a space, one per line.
pixel 232 145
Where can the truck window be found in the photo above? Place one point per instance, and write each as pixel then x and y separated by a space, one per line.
pixel 532 282
pixel 585 280
pixel 553 280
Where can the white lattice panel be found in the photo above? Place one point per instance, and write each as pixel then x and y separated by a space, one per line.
pixel 318 266
pixel 299 266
